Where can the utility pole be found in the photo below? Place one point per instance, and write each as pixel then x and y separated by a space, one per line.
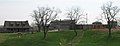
pixel 86 18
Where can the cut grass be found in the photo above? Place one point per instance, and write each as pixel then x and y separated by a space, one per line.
pixel 90 38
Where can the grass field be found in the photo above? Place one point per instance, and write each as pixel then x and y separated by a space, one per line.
pixel 90 38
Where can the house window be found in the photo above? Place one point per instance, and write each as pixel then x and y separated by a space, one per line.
pixel 17 24
pixel 11 24
pixel 23 24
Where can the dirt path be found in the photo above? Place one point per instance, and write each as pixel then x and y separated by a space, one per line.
pixel 76 40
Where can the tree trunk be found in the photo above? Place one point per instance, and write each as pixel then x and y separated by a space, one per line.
pixel 45 35
pixel 39 28
pixel 109 34
pixel 75 30
pixel 109 28
pixel 45 29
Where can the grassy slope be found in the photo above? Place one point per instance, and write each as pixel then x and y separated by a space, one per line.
pixel 90 38
pixel 35 39
pixel 98 38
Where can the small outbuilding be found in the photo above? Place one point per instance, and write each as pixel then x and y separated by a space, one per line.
pixel 97 25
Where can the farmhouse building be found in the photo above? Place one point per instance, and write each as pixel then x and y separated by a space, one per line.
pixel 62 24
pixel 16 26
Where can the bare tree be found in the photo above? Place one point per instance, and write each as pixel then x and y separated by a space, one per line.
pixel 37 18
pixel 43 16
pixel 75 14
pixel 110 12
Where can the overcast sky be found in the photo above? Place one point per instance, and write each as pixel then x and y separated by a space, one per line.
pixel 21 9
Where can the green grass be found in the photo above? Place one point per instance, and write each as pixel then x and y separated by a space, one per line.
pixel 90 38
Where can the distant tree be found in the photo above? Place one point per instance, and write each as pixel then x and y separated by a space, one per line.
pixel 75 14
pixel 110 12
pixel 43 16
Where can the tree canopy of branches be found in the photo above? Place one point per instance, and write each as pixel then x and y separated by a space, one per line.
pixel 110 11
pixel 43 16
pixel 74 14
